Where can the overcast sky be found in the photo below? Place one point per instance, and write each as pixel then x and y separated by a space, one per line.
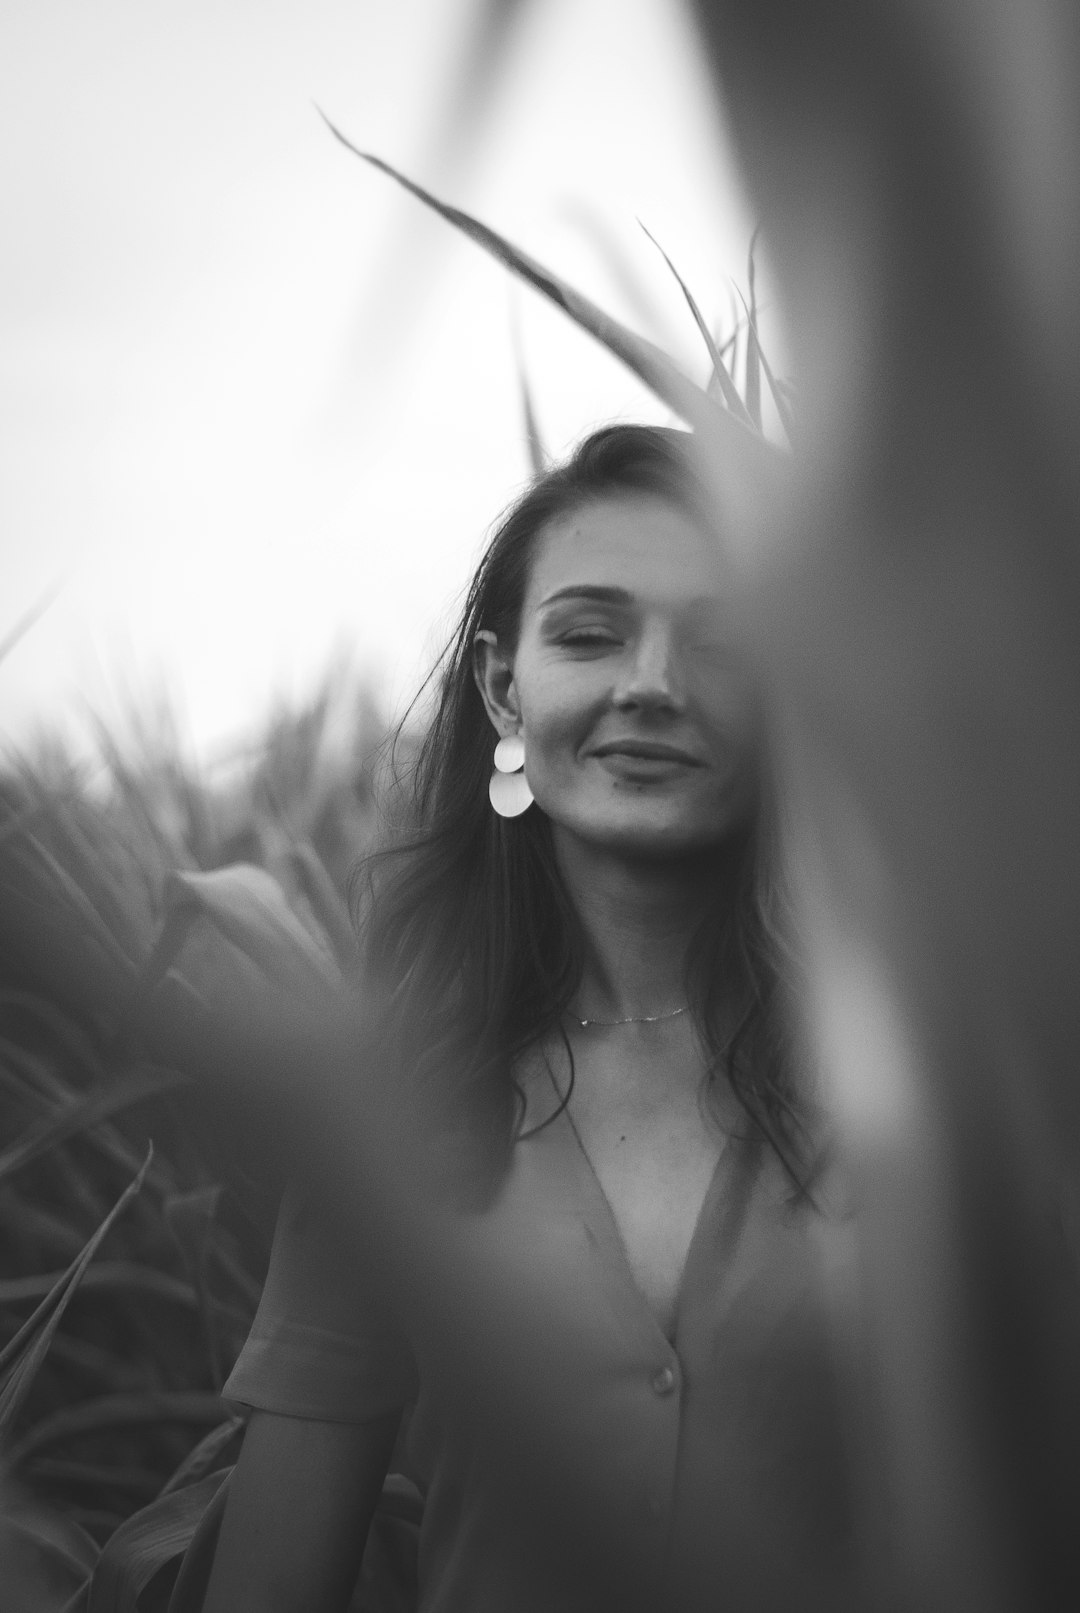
pixel 257 407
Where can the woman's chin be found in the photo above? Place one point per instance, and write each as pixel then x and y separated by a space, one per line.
pixel 648 836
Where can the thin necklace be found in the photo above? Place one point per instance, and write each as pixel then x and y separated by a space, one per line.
pixel 631 1019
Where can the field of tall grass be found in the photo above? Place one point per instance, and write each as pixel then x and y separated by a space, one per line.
pixel 134 1231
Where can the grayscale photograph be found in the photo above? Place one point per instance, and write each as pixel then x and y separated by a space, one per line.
pixel 540 806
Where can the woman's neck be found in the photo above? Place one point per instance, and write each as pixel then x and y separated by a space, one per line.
pixel 638 919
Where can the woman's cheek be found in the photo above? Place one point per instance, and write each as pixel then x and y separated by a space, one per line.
pixel 551 763
pixel 554 718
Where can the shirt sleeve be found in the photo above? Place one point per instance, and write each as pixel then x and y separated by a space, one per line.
pixel 321 1345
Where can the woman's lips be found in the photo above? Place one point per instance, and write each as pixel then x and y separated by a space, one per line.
pixel 645 761
pixel 645 750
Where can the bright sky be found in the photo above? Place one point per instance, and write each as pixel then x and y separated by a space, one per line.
pixel 258 408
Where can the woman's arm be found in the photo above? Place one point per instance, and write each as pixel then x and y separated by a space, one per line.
pixel 300 1504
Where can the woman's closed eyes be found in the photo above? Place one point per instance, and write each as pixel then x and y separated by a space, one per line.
pixel 590 638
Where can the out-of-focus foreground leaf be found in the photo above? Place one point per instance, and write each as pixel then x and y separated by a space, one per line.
pixel 914 614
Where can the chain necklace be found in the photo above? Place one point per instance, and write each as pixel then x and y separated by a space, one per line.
pixel 631 1019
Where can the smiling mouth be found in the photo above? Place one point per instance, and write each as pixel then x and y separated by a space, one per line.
pixel 647 750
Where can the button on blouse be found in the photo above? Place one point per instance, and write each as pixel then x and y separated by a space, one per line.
pixel 663 1380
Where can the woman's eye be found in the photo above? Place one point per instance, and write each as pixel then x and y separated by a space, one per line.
pixel 587 638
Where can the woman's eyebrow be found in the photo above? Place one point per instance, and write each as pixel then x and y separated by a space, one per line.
pixel 589 591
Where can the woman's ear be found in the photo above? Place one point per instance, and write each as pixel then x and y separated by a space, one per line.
pixel 494 674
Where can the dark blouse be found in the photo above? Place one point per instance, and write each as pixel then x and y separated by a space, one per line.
pixel 571 1456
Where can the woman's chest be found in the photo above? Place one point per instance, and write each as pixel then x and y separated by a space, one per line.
pixel 653 1173
pixel 641 1147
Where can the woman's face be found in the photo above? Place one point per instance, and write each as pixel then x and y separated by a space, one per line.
pixel 639 727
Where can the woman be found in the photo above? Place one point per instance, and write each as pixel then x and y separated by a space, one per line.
pixel 612 1342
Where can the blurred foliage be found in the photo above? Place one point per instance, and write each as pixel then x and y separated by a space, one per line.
pixel 128 1282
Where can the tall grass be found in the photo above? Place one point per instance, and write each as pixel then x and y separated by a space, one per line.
pixel 133 1237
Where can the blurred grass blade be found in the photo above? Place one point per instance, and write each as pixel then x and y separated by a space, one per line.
pixel 145 1542
pixel 58 1538
pixel 106 1276
pixel 20 823
pixel 58 881
pixel 753 346
pixel 539 458
pixel 107 1412
pixel 85 1113
pixel 189 1589
pixel 73 1037
pixel 191 1218
pixel 22 1356
pixel 324 899
pixel 728 390
pixel 27 620
pixel 647 361
pixel 248 907
pixel 780 391
pixel 45 1558
pixel 215 1450
pixel 727 365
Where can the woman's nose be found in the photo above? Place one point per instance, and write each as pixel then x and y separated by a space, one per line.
pixel 650 675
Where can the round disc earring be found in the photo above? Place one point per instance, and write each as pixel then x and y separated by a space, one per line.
pixel 510 754
pixel 508 788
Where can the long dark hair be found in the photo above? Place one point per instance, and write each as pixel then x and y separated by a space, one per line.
pixel 465 916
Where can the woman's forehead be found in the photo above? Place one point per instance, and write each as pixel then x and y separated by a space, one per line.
pixel 643 544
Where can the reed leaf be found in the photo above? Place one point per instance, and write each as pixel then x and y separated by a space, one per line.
pixel 26 621
pixel 325 901
pixel 37 1225
pixel 209 1454
pixel 50 1092
pixel 534 443
pixel 145 1543
pixel 753 345
pixel 121 1277
pixel 741 469
pixel 21 1358
pixel 75 1043
pixel 56 1536
pixel 189 1590
pixel 86 1113
pixel 647 361
pixel 247 906
pixel 44 1556
pixel 138 1483
pixel 726 386
pixel 190 1217
pixel 190 1406
pixel 538 455
pixel 54 881
pixel 781 391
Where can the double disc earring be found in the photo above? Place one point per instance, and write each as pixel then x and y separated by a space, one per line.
pixel 508 788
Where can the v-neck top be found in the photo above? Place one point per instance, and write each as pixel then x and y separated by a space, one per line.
pixel 571 1456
